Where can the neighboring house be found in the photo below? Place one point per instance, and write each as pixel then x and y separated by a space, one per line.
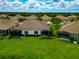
pixel 3 16
pixel 70 30
pixel 63 19
pixel 6 25
pixel 32 27
pixel 72 17
pixel 16 18
pixel 68 19
pixel 46 19
pixel 32 17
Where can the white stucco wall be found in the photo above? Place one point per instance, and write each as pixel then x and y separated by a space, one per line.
pixel 39 32
pixel 31 32
pixel 23 32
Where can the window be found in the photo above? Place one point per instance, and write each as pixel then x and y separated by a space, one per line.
pixel 36 32
pixel 26 32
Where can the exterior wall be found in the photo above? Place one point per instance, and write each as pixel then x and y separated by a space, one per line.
pixel 16 33
pixel 39 32
pixel 31 32
pixel 70 36
pixel 45 32
pixel 23 32
pixel 64 34
pixel 76 36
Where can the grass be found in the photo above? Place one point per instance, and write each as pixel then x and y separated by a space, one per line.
pixel 35 48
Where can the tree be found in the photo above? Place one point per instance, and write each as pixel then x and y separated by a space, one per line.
pixel 11 14
pixel 23 14
pixel 55 26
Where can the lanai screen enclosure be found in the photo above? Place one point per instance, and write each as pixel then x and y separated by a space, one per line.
pixel 39 6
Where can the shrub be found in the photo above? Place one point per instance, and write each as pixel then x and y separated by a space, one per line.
pixel 21 19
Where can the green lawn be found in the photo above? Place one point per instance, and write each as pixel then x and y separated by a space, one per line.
pixel 35 48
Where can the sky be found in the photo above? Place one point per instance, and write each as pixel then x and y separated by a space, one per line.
pixel 41 0
pixel 39 6
pixel 20 0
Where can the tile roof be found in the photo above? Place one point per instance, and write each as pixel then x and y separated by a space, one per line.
pixel 32 24
pixel 5 25
pixel 71 28
pixel 31 17
pixel 46 18
pixel 63 18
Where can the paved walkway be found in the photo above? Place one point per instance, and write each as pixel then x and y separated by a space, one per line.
pixel 65 39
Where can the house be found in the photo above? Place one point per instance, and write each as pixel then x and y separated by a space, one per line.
pixel 31 27
pixel 67 19
pixel 3 16
pixel 72 17
pixel 70 30
pixel 63 19
pixel 16 18
pixel 32 17
pixel 6 25
pixel 46 19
